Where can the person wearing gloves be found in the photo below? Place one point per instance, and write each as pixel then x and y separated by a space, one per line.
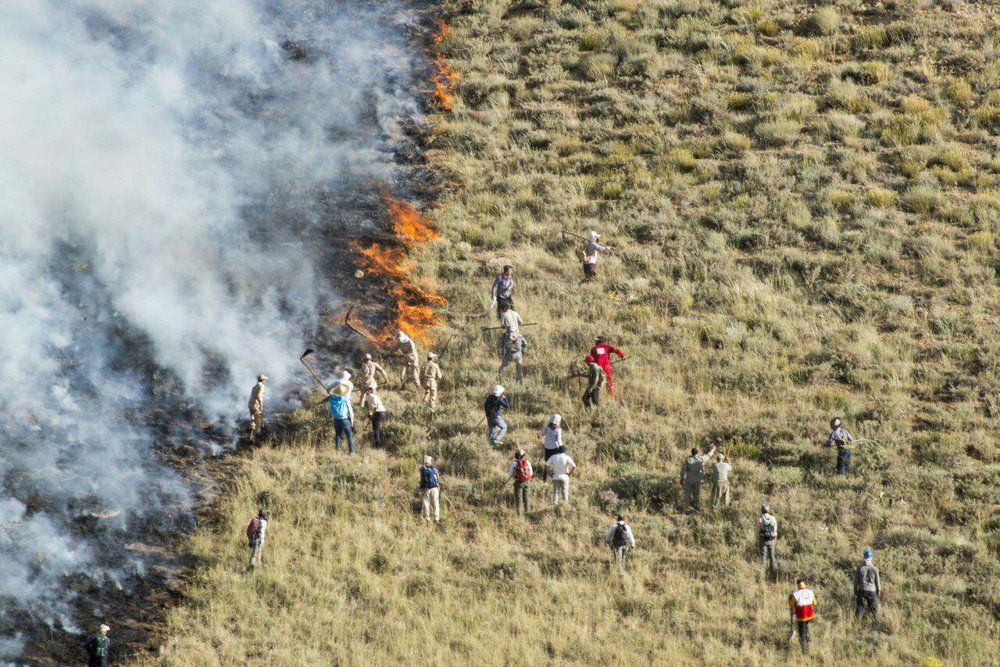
pixel 342 411
pixel 590 254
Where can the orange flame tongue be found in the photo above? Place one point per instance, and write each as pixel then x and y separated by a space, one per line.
pixel 445 77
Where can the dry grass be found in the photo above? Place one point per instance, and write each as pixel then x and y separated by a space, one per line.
pixel 806 200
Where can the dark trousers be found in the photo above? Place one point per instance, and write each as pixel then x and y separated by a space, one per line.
pixel 589 272
pixel 804 634
pixel 866 599
pixel 377 419
pixel 342 427
pixel 592 397
pixel 844 462
pixel 521 496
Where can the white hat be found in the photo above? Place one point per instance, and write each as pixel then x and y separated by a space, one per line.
pixel 497 390
pixel 594 236
pixel 345 376
pixel 555 419
pixel 402 337
pixel 431 355
pixel 428 460
pixel 262 378
pixel 105 629
pixel 368 357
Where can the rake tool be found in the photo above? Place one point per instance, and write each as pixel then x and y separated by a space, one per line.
pixel 309 352
pixel 363 334
pixel 530 324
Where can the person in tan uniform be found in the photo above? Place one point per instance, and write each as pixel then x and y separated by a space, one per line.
pixel 432 373
pixel 411 361
pixel 369 370
pixel 256 406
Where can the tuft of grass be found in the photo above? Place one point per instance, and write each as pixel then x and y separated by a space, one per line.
pixel 825 21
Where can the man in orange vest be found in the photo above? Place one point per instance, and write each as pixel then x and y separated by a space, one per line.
pixel 802 607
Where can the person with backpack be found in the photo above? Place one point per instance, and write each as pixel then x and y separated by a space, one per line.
pixel 802 608
pixel 99 648
pixel 867 588
pixel 842 439
pixel 521 471
pixel 552 442
pixel 376 414
pixel 692 477
pixel 561 466
pixel 496 427
pixel 430 490
pixel 596 377
pixel 256 406
pixel 512 348
pixel 720 481
pixel 767 536
pixel 620 539
pixel 601 352
pixel 342 411
pixel 256 534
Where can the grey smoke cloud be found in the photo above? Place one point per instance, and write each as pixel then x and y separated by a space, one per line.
pixel 159 159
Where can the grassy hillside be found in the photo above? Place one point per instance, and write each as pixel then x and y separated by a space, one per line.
pixel 805 200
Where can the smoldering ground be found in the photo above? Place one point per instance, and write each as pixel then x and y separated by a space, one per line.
pixel 169 171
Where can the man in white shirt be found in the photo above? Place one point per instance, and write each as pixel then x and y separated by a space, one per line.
pixel 562 466
pixel 510 319
pixel 590 257
pixel 620 539
pixel 376 413
pixel 255 536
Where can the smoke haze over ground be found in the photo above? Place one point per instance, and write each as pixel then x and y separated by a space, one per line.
pixel 160 163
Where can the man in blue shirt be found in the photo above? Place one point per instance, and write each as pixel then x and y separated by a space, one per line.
pixel 842 438
pixel 503 289
pixel 342 411
pixel 494 406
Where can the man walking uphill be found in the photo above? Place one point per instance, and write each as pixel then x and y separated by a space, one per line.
pixel 99 648
pixel 620 539
pixel 432 373
pixel 376 413
pixel 430 490
pixel 512 349
pixel 256 406
pixel 720 481
pixel 867 588
pixel 842 439
pixel 502 291
pixel 342 411
pixel 767 537
pixel 496 427
pixel 601 352
pixel 411 359
pixel 520 470
pixel 595 380
pixel 692 476
pixel 802 608
pixel 256 534
pixel 369 372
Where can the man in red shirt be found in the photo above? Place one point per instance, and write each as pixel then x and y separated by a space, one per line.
pixel 601 352
pixel 802 606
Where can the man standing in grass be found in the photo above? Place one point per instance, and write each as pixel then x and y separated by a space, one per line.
pixel 256 407
pixel 256 534
pixel 502 291
pixel 369 370
pixel 520 470
pixel 432 373
pixel 802 608
pixel 692 476
pixel 620 539
pixel 767 537
pixel 601 352
pixel 430 490
pixel 99 648
pixel 512 348
pixel 720 481
pixel 842 439
pixel 496 427
pixel 376 415
pixel 867 588
pixel 411 359
pixel 590 257
pixel 342 411
pixel 561 466
pixel 596 378
pixel 510 319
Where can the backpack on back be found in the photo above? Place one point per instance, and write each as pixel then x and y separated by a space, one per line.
pixel 768 528
pixel 253 530
pixel 619 539
pixel 522 472
pixel 428 477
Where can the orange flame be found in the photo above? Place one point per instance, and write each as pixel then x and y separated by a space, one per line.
pixel 445 77
pixel 416 302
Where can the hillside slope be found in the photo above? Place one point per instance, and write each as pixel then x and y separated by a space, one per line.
pixel 805 203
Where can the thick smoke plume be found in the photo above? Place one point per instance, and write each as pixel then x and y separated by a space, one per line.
pixel 165 168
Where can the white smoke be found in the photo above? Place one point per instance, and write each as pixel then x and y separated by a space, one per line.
pixel 160 160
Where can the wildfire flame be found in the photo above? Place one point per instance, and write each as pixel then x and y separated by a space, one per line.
pixel 445 77
pixel 416 303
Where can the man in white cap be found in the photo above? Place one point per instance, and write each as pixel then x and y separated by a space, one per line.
pixel 98 648
pixel 369 370
pixel 512 348
pixel 432 373
pixel 376 413
pixel 561 466
pixel 430 490
pixel 590 257
pixel 256 406
pixel 342 411
pixel 620 539
pixel 411 359
pixel 496 427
